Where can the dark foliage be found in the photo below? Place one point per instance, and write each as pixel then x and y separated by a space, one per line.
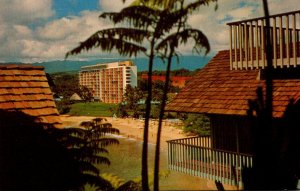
pixel 63 106
pixel 35 158
pixel 275 159
pixel 131 99
pixel 129 186
pixel 65 84
pixel 30 159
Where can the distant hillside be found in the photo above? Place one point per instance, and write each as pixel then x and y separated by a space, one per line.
pixel 187 62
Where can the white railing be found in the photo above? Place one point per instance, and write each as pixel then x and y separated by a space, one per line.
pixel 195 156
pixel 247 41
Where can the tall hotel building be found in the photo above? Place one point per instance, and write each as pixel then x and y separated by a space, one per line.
pixel 108 81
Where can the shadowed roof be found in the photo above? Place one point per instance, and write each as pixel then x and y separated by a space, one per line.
pixel 218 90
pixel 25 88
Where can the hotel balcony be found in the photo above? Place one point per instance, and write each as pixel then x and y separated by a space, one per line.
pixel 248 37
pixel 197 157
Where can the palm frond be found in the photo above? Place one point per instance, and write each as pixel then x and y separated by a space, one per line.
pixel 98 120
pixel 102 142
pixel 182 37
pixel 59 133
pixel 165 4
pixel 72 142
pixel 195 5
pixel 121 39
pixel 137 16
pixel 88 167
pixel 70 137
pixel 123 48
pixel 97 160
pixel 169 18
pixel 86 151
pixel 97 150
pixel 130 34
pixel 169 4
pixel 74 131
pixel 98 181
pixel 105 128
pixel 86 124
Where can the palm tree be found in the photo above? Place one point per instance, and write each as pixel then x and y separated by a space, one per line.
pixel 176 18
pixel 85 145
pixel 152 24
pixel 168 47
pixel 145 24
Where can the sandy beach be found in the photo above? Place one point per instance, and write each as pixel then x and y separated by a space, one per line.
pixel 133 128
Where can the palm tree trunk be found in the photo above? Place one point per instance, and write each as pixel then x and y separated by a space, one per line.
pixel 145 183
pixel 161 115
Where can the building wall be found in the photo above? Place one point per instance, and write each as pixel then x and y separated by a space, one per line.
pixel 231 133
pixel 108 81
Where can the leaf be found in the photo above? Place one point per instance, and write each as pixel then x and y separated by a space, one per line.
pixel 125 41
pixel 182 37
pixel 88 167
pixel 137 16
pixel 86 124
pixel 98 181
pixel 113 179
pixel 104 141
pixel 97 160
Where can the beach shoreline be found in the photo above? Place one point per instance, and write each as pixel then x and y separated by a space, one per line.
pixel 133 128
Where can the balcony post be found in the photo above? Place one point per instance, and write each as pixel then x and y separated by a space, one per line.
pixel 257 43
pixel 263 43
pixel 251 44
pixel 235 47
pixel 240 39
pixel 281 42
pixel 274 43
pixel 294 40
pixel 287 41
pixel 230 39
pixel 246 44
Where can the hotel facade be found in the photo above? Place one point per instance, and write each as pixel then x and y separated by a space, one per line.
pixel 108 81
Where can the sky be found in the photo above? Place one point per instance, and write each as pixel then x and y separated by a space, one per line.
pixel 44 30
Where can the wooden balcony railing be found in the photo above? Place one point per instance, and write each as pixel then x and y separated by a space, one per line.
pixel 247 41
pixel 195 156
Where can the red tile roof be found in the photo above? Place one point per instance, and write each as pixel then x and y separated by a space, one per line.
pixel 25 88
pixel 177 81
pixel 218 90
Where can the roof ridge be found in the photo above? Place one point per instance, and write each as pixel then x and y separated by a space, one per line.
pixel 20 66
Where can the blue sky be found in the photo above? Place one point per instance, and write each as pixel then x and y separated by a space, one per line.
pixel 65 8
pixel 44 30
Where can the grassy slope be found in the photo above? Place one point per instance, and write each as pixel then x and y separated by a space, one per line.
pixel 92 109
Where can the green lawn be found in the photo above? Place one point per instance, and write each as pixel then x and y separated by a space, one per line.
pixel 92 109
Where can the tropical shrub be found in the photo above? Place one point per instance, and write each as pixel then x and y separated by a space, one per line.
pixel 198 124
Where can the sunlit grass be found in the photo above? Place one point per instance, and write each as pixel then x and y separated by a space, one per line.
pixel 92 109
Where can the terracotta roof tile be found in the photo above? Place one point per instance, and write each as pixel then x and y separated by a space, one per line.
pixel 218 90
pixel 25 88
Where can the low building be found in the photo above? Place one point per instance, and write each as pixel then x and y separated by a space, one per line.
pixel 108 81
pixel 75 97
